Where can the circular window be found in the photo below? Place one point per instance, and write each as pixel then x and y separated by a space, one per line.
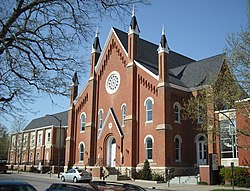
pixel 113 82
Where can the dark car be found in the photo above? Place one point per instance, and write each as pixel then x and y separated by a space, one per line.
pixel 95 185
pixel 102 185
pixel 69 187
pixel 15 185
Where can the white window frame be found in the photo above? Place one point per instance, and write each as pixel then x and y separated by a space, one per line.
pixel 146 146
pixel 100 118
pixel 199 115
pixel 178 112
pixel 83 124
pixel 123 108
pixel 81 153
pixel 149 110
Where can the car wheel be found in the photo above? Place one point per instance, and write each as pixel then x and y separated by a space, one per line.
pixel 63 179
pixel 74 179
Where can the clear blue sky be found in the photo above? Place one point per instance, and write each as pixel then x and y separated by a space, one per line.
pixel 194 28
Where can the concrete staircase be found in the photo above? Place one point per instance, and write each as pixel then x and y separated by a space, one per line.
pixel 112 174
pixel 185 180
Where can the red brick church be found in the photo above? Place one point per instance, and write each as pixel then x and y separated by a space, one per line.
pixel 130 108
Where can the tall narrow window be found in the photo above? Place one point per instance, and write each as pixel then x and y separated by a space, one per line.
pixel 31 155
pixel 48 137
pixel 83 121
pixel 149 110
pixel 81 152
pixel 228 137
pixel 149 149
pixel 123 114
pixel 199 114
pixel 177 112
pixel 100 118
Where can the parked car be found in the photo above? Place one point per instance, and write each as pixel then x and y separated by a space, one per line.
pixel 76 175
pixel 15 185
pixel 95 185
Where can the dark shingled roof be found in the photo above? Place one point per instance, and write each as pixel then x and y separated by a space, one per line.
pixel 48 120
pixel 184 71
pixel 200 73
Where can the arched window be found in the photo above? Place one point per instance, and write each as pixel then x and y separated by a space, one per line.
pixel 149 149
pixel 100 117
pixel 83 121
pixel 149 109
pixel 81 152
pixel 123 113
pixel 200 114
pixel 178 142
pixel 177 112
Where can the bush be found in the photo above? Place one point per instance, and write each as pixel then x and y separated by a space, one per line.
pixel 202 183
pixel 157 176
pixel 146 171
pixel 241 176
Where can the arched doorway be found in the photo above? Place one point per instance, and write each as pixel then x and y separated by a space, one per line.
pixel 111 151
pixel 201 149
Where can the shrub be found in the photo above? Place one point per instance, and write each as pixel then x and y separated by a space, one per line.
pixel 157 176
pixel 241 176
pixel 146 171
pixel 202 183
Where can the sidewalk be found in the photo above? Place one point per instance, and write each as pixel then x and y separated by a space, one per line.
pixel 149 184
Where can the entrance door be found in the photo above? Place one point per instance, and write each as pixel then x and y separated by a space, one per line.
pixel 111 152
pixel 201 151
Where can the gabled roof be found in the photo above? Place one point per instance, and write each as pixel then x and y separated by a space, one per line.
pixel 200 73
pixel 184 71
pixel 116 122
pixel 48 120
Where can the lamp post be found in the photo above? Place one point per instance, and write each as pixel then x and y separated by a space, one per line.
pixel 59 150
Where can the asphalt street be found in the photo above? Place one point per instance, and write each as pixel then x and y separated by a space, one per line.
pixel 43 181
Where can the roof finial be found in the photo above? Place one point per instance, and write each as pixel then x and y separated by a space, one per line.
pixel 163 30
pixel 97 32
pixel 133 11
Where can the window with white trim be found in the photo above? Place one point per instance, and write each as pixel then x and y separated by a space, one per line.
pixel 149 149
pixel 200 114
pixel 31 155
pixel 100 118
pixel 123 114
pixel 177 112
pixel 83 121
pixel 149 110
pixel 228 138
pixel 81 152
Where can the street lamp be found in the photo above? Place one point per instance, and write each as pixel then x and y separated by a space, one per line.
pixel 59 152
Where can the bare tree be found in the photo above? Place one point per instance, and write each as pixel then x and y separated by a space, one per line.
pixel 17 139
pixel 40 41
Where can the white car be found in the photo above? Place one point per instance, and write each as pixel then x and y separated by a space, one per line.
pixel 76 175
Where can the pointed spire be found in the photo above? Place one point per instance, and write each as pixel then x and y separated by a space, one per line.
pixel 96 47
pixel 133 27
pixel 75 79
pixel 163 46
